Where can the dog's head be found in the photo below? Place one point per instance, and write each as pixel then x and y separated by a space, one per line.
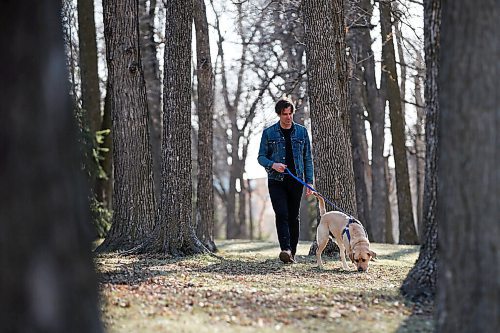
pixel 361 257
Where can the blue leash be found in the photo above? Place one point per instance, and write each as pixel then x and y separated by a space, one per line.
pixel 312 189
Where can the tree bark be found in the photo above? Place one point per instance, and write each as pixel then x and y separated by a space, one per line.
pixel 104 187
pixel 468 173
pixel 176 230
pixel 328 91
pixel 408 234
pixel 48 283
pixel 151 68
pixel 134 204
pixel 91 97
pixel 420 147
pixel 387 228
pixel 356 20
pixel 204 72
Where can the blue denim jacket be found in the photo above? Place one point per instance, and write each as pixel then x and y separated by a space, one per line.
pixel 272 150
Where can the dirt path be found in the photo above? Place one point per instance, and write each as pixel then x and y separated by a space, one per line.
pixel 251 291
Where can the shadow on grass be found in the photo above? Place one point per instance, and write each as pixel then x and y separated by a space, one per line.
pixel 336 270
pixel 257 248
pixel 139 271
pixel 420 321
pixel 398 254
pixel 247 267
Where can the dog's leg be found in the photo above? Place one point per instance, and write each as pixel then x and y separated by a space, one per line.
pixel 322 237
pixel 342 255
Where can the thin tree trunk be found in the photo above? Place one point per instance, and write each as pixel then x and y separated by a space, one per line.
pixel 420 147
pixel 242 209
pixel 401 56
pixel 134 205
pixel 250 211
pixel 468 173
pixel 387 228
pixel 104 187
pixel 376 115
pixel 328 91
pixel 91 97
pixel 408 234
pixel 48 283
pixel 204 72
pixel 356 20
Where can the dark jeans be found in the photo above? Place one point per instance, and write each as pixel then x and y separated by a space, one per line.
pixel 285 197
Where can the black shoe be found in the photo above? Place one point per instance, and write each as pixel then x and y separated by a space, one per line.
pixel 286 256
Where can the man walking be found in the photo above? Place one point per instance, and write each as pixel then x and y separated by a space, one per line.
pixel 285 145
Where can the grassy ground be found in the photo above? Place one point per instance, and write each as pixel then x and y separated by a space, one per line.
pixel 251 291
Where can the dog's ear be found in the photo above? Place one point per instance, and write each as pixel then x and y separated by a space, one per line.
pixel 372 254
pixel 351 256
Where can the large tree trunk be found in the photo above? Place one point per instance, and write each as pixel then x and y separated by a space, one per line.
pixel 176 228
pixel 408 234
pixel 91 97
pixel 204 72
pixel 421 280
pixel 48 283
pixel 134 205
pixel 151 68
pixel 468 173
pixel 328 91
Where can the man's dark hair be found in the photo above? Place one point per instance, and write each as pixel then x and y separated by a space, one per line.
pixel 283 104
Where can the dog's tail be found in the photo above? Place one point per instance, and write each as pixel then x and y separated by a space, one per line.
pixel 321 202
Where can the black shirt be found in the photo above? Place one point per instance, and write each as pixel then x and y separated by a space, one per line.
pixel 290 164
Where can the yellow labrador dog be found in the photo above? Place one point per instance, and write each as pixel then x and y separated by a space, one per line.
pixel 349 235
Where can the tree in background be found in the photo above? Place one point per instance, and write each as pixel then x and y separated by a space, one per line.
pixel 375 102
pixel 421 281
pixel 134 205
pixel 242 91
pixel 91 97
pixel 328 96
pixel 468 173
pixel 408 234
pixel 358 25
pixel 205 193
pixel 47 283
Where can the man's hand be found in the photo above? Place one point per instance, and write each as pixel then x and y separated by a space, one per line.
pixel 308 190
pixel 280 167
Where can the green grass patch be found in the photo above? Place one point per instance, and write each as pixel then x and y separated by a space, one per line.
pixel 250 290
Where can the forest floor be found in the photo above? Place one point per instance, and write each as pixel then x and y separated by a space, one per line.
pixel 250 290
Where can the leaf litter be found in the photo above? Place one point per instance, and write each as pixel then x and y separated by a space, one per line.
pixel 254 291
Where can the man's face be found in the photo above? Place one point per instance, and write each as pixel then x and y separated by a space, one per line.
pixel 286 117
